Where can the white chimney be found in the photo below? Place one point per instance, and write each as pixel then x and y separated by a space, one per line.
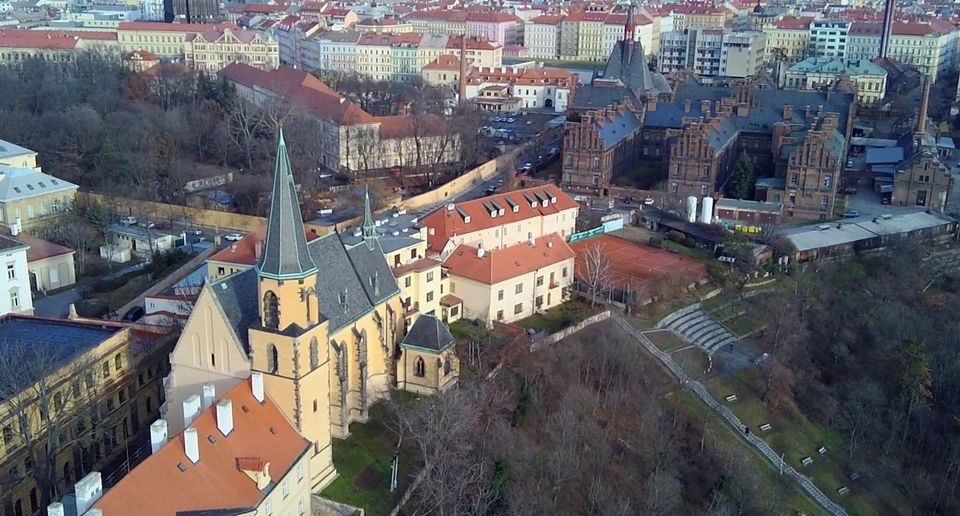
pixel 256 385
pixel 480 252
pixel 225 417
pixel 191 407
pixel 191 444
pixel 158 435
pixel 55 509
pixel 15 230
pixel 88 490
pixel 209 395
pixel 94 512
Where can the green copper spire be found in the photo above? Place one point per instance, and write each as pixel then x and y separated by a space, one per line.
pixel 369 227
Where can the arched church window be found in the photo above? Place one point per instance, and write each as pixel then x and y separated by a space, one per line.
pixel 271 310
pixel 272 359
pixel 419 367
pixel 314 354
pixel 447 366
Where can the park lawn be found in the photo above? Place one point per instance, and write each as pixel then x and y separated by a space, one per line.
pixel 558 317
pixel 743 324
pixel 693 360
pixel 666 340
pixel 370 446
pixel 727 312
pixel 793 499
pixel 797 437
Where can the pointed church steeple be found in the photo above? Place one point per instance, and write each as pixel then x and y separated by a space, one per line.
pixel 369 227
pixel 285 254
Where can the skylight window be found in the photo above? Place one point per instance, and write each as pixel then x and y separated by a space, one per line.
pixel 30 187
pixel 17 189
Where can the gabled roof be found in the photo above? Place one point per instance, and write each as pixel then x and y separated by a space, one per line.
pixel 285 254
pixel 167 482
pixel 428 333
pixel 445 223
pixel 22 183
pixel 503 264
pixel 237 295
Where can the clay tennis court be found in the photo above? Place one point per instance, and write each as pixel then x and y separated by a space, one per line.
pixel 635 263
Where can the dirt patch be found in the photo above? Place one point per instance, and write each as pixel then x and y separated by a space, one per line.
pixel 368 479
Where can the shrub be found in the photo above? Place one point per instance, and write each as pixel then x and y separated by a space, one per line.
pixel 689 242
pixel 655 242
pixel 675 236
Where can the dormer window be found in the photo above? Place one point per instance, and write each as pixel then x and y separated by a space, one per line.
pixel 493 214
pixel 17 189
pixel 30 187
pixel 500 212
pixel 516 208
pixel 533 204
pixel 466 219
pixel 545 203
pixel 553 200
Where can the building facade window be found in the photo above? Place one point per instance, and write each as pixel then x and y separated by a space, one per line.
pixel 419 367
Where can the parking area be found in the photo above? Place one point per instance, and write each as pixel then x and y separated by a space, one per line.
pixel 515 126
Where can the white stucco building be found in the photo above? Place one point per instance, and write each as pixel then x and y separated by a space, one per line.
pixel 15 280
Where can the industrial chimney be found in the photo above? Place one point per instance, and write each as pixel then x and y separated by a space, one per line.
pixel 462 85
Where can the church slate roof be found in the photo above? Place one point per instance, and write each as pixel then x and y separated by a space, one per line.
pixel 376 277
pixel 285 254
pixel 429 333
pixel 341 296
pixel 237 296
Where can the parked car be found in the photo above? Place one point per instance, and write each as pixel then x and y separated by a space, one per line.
pixel 851 214
pixel 148 224
pixel 195 231
pixel 648 201
pixel 134 314
pixel 233 237
pixel 511 120
pixel 527 166
pixel 128 220
pixel 849 190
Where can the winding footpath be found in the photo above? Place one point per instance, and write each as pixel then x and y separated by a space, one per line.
pixel 805 483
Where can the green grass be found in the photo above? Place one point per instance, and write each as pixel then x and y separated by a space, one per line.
pixel 558 317
pixel 693 360
pixel 693 252
pixel 666 340
pixel 370 445
pixel 797 437
pixel 722 436
pixel 744 324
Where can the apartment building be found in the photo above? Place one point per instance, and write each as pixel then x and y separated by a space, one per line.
pixel 238 453
pixel 863 41
pixel 812 73
pixel 103 387
pixel 691 16
pixel 502 28
pixel 442 71
pixel 828 38
pixel 424 285
pixel 512 282
pixel 535 87
pixel 52 45
pixel 502 220
pixel 15 284
pixel 713 53
pixel 28 197
pixel 788 40
pixel 541 37
pixel 383 25
pixel 206 47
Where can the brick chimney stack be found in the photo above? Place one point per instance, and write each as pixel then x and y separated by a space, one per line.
pixel 924 101
pixel 463 69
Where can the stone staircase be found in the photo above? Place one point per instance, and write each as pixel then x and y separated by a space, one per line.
pixel 699 328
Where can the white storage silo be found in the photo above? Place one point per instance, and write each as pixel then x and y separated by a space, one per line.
pixel 706 210
pixel 692 208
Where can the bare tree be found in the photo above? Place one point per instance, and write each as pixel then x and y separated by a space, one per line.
pixel 50 394
pixel 597 272
pixel 245 121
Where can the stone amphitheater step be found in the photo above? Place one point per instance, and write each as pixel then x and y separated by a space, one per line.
pixel 705 334
pixel 669 320
pixel 683 325
pixel 718 343
pixel 679 321
pixel 692 332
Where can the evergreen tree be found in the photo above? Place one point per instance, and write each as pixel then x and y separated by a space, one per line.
pixel 744 177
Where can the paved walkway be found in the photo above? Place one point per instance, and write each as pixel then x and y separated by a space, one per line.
pixel 805 483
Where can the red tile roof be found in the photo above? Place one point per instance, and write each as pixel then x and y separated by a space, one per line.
pixel 792 23
pixel 41 249
pixel 473 43
pixel 444 62
pixel 168 483
pixel 547 19
pixel 244 251
pixel 524 76
pixel 301 88
pixel 405 126
pixel 409 38
pixel 865 28
pixel 419 265
pixel 445 223
pixel 48 40
pixel 503 264
pixel 174 27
